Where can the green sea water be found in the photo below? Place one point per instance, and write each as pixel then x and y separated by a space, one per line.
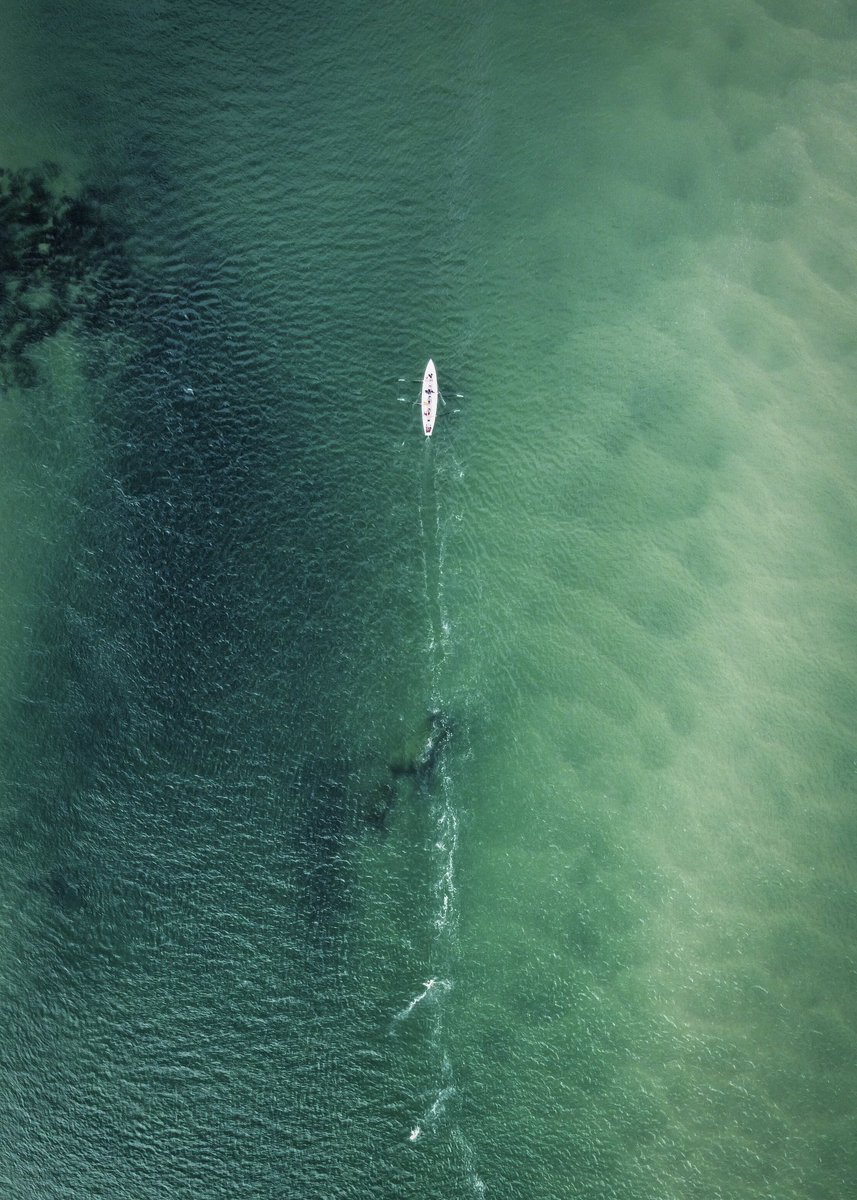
pixel 401 818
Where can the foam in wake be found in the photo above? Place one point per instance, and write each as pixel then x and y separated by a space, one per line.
pixel 429 987
pixel 437 1108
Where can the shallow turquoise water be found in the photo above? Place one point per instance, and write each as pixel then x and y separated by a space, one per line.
pixel 272 928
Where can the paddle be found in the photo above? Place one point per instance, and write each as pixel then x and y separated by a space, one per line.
pixel 404 399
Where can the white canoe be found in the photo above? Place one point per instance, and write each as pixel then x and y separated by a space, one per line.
pixel 429 398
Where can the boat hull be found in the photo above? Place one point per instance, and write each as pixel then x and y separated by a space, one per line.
pixel 428 403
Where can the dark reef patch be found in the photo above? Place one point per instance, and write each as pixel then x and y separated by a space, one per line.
pixel 58 251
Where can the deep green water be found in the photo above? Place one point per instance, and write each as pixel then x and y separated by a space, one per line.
pixel 598 940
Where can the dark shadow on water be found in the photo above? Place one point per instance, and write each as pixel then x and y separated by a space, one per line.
pixel 183 613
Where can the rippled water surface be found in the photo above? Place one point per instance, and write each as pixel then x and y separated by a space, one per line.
pixel 402 818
